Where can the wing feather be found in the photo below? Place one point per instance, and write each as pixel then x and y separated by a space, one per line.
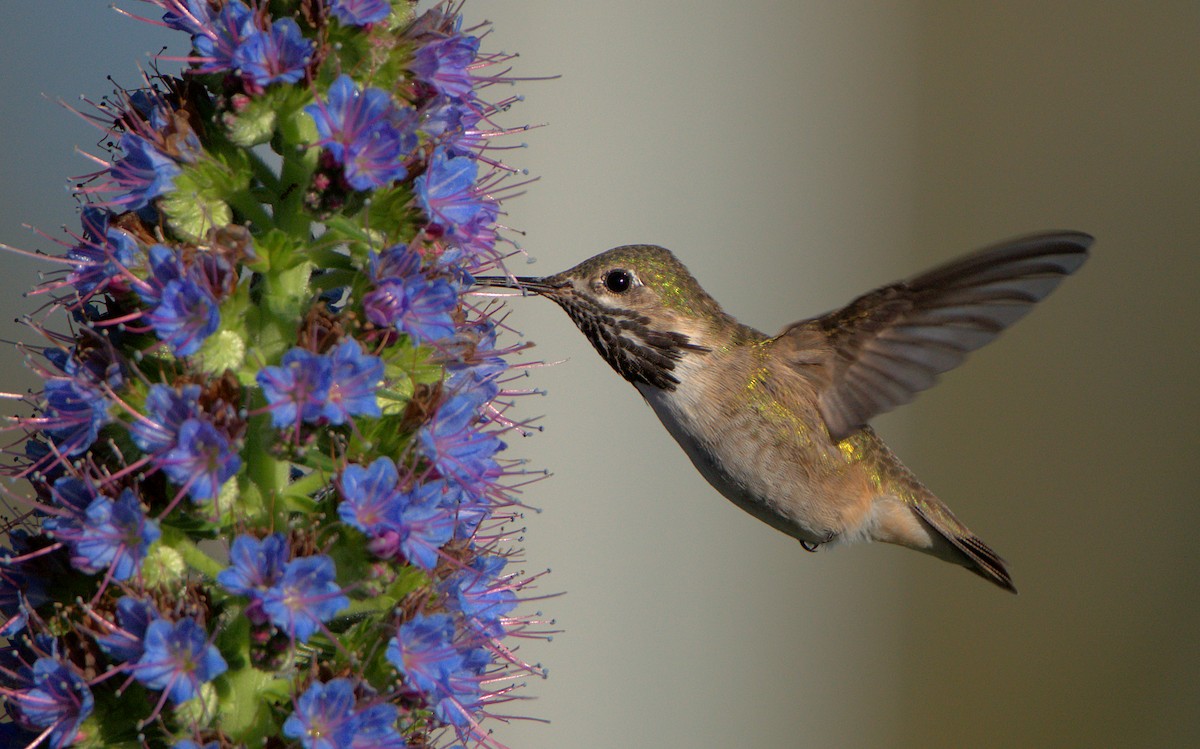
pixel 890 344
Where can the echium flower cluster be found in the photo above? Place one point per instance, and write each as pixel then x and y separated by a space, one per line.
pixel 261 498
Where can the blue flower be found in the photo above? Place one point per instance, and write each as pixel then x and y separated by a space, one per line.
pixel 276 56
pixel 100 533
pixel 448 195
pixel 217 38
pixel 298 388
pixel 323 717
pixel 457 448
pixel 185 311
pixel 190 744
pixel 478 375
pixel 445 65
pixel 113 535
pixel 192 16
pixel 101 260
pixel 143 174
pixel 202 460
pixel 425 521
pixel 360 12
pixel 166 411
pixel 481 595
pixel 304 597
pixel 127 642
pixel 449 122
pixel 423 651
pixel 75 412
pixel 378 159
pixel 375 728
pixel 369 495
pixel 364 132
pixel 419 306
pixel 178 658
pixel 57 699
pixel 354 379
pixel 254 565
pixel 415 523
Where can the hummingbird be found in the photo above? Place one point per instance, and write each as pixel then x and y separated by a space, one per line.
pixel 779 424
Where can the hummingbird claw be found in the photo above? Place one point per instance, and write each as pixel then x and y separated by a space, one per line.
pixel 811 547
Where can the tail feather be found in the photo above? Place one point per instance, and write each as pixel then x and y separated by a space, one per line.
pixel 985 562
pixel 961 545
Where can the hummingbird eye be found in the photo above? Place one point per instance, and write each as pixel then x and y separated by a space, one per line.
pixel 618 281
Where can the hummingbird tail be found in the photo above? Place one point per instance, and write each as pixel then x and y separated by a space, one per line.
pixel 982 560
pixel 945 537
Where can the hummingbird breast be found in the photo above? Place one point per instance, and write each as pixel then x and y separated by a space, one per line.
pixel 754 432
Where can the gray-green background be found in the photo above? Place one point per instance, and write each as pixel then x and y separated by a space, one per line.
pixel 794 155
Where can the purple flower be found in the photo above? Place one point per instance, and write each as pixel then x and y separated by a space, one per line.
pixel 415 523
pixel 297 389
pixel 184 312
pixel 127 642
pixel 419 306
pixel 254 567
pixel 192 16
pixel 217 38
pixel 424 652
pixel 397 263
pixel 100 533
pixel 323 717
pixel 478 377
pixel 74 413
pixel 481 595
pixel 424 523
pixel 375 728
pixel 457 448
pixel 142 174
pixel 378 159
pixel 364 132
pixel 57 699
pixel 178 658
pixel 112 535
pixel 202 460
pixel 304 597
pixel 369 496
pixel 360 12
pixel 449 121
pixel 275 56
pixel 445 65
pixel 166 412
pixel 100 260
pixel 448 194
pixel 354 379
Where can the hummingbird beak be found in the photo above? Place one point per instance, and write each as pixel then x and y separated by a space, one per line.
pixel 526 284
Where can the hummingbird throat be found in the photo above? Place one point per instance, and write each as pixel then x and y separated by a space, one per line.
pixel 629 343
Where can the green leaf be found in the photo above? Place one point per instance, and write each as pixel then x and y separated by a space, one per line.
pixel 254 124
pixel 391 213
pixel 199 200
pixel 247 696
pixel 223 350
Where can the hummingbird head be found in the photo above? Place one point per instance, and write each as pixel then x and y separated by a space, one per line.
pixel 638 305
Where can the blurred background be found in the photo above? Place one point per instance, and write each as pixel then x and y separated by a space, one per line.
pixel 795 155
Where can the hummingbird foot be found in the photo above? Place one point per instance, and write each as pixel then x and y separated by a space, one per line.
pixel 812 547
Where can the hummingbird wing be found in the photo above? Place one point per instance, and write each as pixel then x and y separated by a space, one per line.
pixel 886 346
